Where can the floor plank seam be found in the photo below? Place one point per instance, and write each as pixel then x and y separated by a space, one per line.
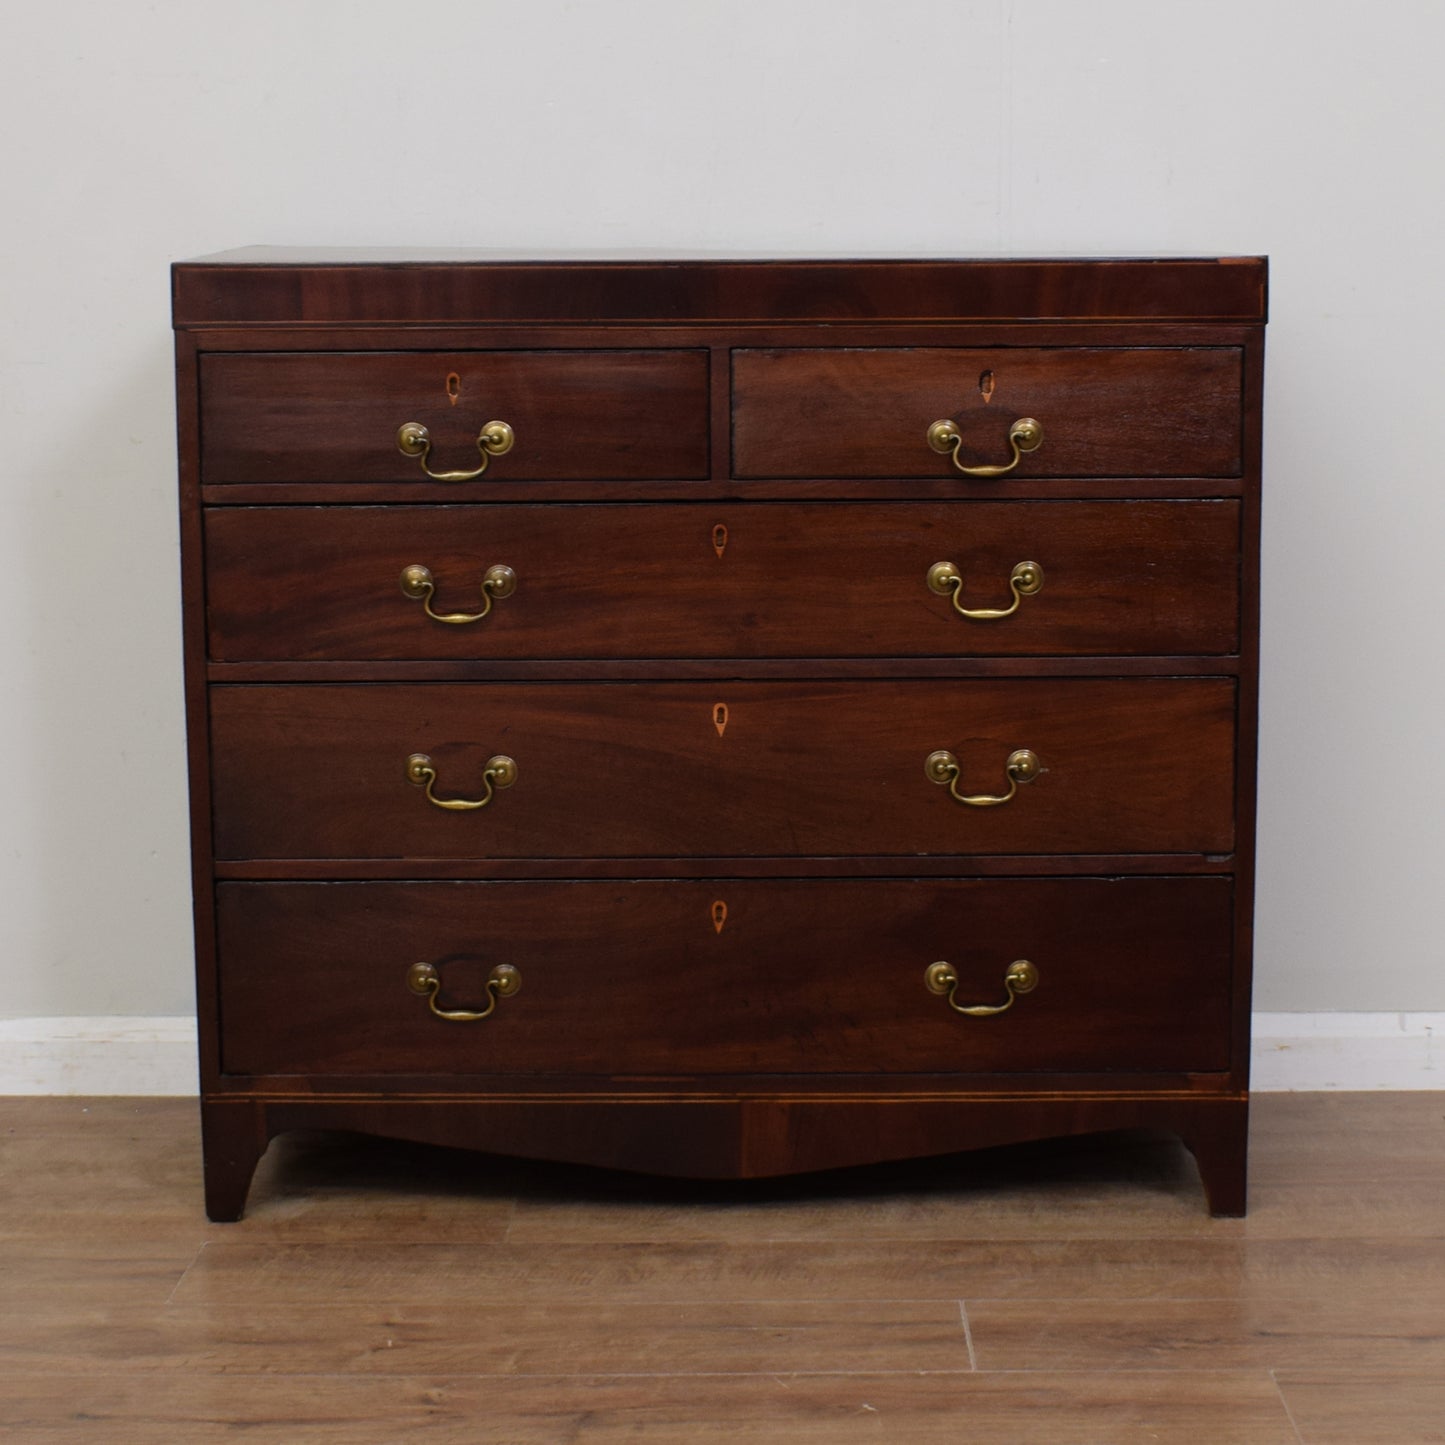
pixel 358 1376
pixel 1116 1371
pixel 1284 1403
pixel 379 1303
pixel 967 1335
pixel 181 1279
pixel 506 1236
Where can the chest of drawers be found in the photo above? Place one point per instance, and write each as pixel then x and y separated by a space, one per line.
pixel 720 718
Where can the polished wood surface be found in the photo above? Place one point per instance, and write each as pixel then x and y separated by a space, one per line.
pixel 732 977
pixel 648 769
pixel 735 683
pixel 674 581
pixel 383 1291
pixel 334 417
pixel 866 412
pixel 312 287
pixel 706 1128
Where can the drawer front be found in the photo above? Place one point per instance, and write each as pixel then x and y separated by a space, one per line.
pixel 760 580
pixel 725 976
pixel 1139 765
pixel 575 415
pixel 1105 412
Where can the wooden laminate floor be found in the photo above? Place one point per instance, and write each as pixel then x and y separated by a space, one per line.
pixel 1068 1293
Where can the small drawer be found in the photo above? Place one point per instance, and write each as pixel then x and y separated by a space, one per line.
pixel 731 580
pixel 335 417
pixel 728 976
pixel 706 770
pixel 1103 412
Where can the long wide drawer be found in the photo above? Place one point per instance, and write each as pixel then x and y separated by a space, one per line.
pixel 740 580
pixel 1138 765
pixel 1104 411
pixel 588 415
pixel 725 976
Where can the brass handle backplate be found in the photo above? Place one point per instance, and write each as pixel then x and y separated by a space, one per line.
pixel 1021 766
pixel 1025 435
pixel 418 583
pixel 1022 977
pixel 502 982
pixel 500 772
pixel 943 578
pixel 414 440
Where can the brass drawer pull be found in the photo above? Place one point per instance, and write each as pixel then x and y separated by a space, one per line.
pixel 414 440
pixel 1025 435
pixel 1022 766
pixel 500 770
pixel 943 578
pixel 502 982
pixel 1022 977
pixel 418 584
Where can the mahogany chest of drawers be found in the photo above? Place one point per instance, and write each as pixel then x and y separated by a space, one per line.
pixel 720 718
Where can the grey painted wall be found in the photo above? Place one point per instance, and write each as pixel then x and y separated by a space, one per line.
pixel 139 134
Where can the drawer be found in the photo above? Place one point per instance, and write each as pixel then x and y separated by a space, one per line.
pixel 574 415
pixel 1105 412
pixel 1139 765
pixel 730 976
pixel 741 580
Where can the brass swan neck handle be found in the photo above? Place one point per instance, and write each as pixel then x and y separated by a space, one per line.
pixel 1025 435
pixel 1021 766
pixel 418 583
pixel 1025 580
pixel 1021 977
pixel 494 440
pixel 500 772
pixel 502 982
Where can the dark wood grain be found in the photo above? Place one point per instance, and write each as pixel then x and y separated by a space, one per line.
pixel 775 581
pixel 1246 765
pixel 727 1134
pixel 646 1090
pixel 198 748
pixel 316 287
pixel 1219 1141
pixel 1133 672
pixel 731 669
pixel 234 1135
pixel 334 417
pixel 863 865
pixel 1105 412
pixel 820 977
pixel 495 488
pixel 609 770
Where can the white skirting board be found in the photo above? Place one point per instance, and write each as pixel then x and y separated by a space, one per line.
pixel 157 1056
pixel 111 1055
pixel 1299 1052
